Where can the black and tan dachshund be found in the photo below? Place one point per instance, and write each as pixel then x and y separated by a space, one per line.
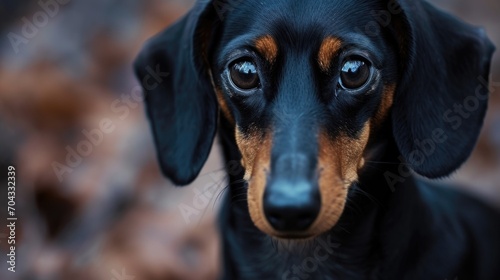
pixel 336 110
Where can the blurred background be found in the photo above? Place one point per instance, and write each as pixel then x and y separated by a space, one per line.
pixel 91 202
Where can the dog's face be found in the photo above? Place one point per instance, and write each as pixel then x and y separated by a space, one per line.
pixel 304 97
pixel 306 86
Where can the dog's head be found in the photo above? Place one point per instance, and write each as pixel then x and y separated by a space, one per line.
pixel 306 85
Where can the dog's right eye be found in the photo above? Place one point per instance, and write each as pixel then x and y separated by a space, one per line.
pixel 355 73
pixel 244 75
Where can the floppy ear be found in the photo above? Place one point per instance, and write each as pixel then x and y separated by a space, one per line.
pixel 180 101
pixel 442 96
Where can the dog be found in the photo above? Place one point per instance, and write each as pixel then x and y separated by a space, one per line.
pixel 334 111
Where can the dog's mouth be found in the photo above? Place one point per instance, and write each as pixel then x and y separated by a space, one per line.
pixel 291 196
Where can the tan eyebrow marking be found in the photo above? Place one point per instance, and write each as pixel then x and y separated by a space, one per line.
pixel 329 48
pixel 268 47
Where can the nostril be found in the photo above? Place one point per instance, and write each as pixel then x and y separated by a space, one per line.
pixel 305 220
pixel 276 221
pixel 291 218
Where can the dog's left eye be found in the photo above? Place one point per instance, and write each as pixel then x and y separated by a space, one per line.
pixel 355 73
pixel 244 75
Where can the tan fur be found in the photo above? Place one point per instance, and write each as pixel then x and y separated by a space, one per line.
pixel 339 162
pixel 328 50
pixel 267 47
pixel 223 105
pixel 385 104
pixel 221 100
pixel 256 153
pixel 249 145
pixel 257 184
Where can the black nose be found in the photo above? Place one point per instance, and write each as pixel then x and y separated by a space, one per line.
pixel 291 206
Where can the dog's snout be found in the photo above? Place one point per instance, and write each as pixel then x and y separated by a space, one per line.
pixel 291 206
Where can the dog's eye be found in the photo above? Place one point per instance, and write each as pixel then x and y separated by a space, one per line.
pixel 244 75
pixel 355 73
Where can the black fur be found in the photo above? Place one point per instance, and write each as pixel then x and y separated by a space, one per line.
pixel 394 226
